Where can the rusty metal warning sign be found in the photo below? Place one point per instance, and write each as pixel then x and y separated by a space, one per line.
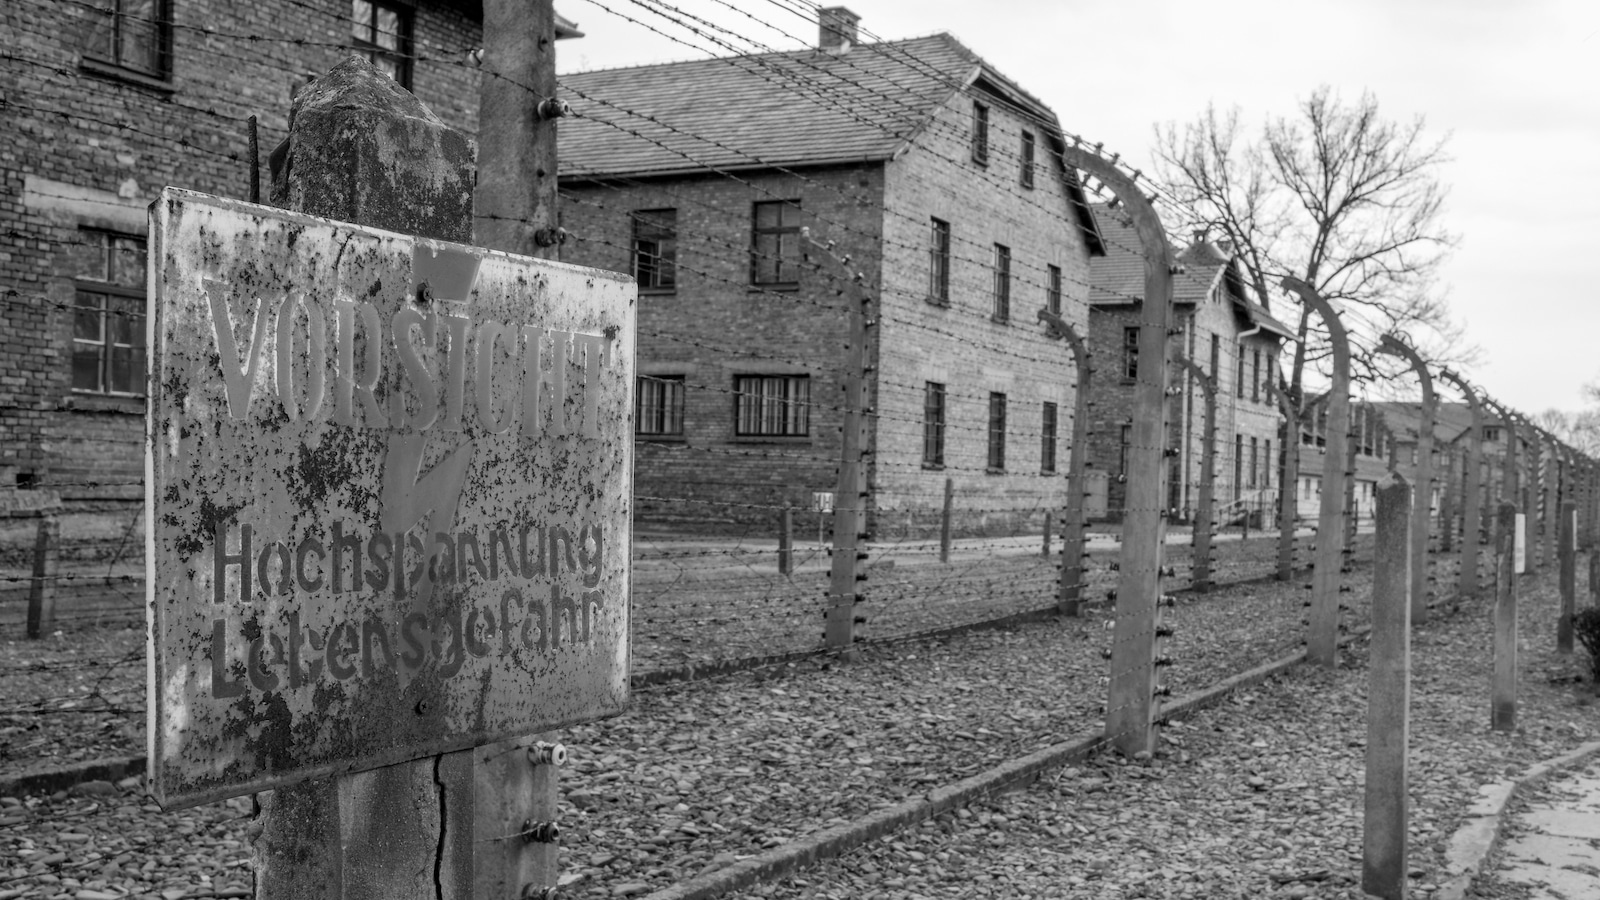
pixel 389 489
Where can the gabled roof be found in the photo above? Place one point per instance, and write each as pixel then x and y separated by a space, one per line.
pixel 1118 277
pixel 796 108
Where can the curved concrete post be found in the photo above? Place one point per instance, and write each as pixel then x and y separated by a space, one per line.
pixel 1472 494
pixel 1204 516
pixel 1508 464
pixel 1288 482
pixel 1070 590
pixel 1322 639
pixel 1130 705
pixel 1422 494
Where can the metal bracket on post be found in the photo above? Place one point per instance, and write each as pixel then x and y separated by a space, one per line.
pixel 1422 488
pixel 1131 699
pixel 1322 641
pixel 1472 494
pixel 1204 526
pixel 1070 589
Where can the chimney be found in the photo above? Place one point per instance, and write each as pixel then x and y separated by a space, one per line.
pixel 836 29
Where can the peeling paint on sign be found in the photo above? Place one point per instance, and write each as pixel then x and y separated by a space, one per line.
pixel 389 487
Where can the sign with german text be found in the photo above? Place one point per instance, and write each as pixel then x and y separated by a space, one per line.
pixel 388 487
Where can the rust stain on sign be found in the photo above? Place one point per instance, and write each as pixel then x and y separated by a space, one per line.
pixel 389 487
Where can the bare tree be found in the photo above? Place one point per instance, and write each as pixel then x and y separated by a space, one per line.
pixel 1580 430
pixel 1337 196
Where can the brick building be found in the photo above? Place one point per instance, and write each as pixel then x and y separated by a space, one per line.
pixel 1218 325
pixel 106 102
pixel 939 178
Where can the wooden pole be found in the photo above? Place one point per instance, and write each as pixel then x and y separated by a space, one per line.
pixel 42 587
pixel 1384 835
pixel 364 150
pixel 1322 639
pixel 1130 701
pixel 786 542
pixel 1566 554
pixel 1070 587
pixel 1503 691
pixel 944 520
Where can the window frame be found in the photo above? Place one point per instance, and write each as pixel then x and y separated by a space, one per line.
pixel 980 133
pixel 1130 353
pixel 669 407
pixel 1027 154
pixel 399 55
pixel 639 219
pixel 1239 379
pixel 1001 311
pixel 106 290
pixel 1125 443
pixel 780 231
pixel 997 433
pixel 1052 288
pixel 1048 418
pixel 792 407
pixel 1253 479
pixel 1255 375
pixel 939 262
pixel 935 400
pixel 115 62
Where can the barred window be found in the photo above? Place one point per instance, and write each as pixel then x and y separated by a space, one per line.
pixel 381 32
pixel 1027 159
pixel 658 405
pixel 933 418
pixel 1125 441
pixel 108 322
pixel 1047 440
pixel 1052 290
pixel 939 263
pixel 775 243
pixel 1255 375
pixel 1002 283
pixel 1130 352
pixel 655 249
pixel 980 134
pixel 133 34
pixel 997 432
pixel 772 405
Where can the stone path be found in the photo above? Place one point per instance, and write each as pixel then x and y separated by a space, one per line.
pixel 1556 850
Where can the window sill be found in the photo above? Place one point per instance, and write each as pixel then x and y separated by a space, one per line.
pixel 657 292
pixel 1000 320
pixel 775 286
pixel 103 69
pixel 933 467
pixel 993 471
pixel 660 439
pixel 936 302
pixel 797 439
pixel 111 403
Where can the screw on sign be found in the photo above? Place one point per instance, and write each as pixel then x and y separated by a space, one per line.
pixel 389 497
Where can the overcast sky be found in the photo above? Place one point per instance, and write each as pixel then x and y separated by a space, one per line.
pixel 1515 84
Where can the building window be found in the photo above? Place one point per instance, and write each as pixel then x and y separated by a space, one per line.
pixel 1267 464
pixel 997 432
pixel 933 425
pixel 655 249
pixel 1002 283
pixel 775 243
pixel 1491 433
pixel 1125 441
pixel 1255 376
pixel 772 405
pixel 1047 440
pixel 1130 353
pixel 1255 462
pixel 132 34
pixel 1216 358
pixel 1239 387
pixel 939 263
pixel 1027 159
pixel 658 405
pixel 1052 289
pixel 382 33
pixel 1238 466
pixel 108 348
pixel 980 134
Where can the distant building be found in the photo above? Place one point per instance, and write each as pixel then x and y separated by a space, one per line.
pixel 943 183
pixel 1229 334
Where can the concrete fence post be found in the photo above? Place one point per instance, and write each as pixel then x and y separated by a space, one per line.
pixel 1384 835
pixel 1566 555
pixel 1503 689
pixel 1422 497
pixel 1069 588
pixel 786 542
pixel 42 587
pixel 1204 526
pixel 1288 481
pixel 944 520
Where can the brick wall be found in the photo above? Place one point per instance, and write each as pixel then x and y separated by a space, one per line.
pixel 67 162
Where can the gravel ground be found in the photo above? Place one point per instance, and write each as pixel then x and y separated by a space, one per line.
pixel 1260 796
